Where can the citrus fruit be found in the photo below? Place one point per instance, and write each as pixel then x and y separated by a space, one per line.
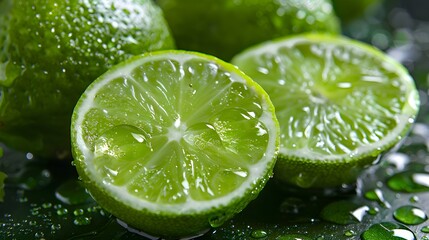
pixel 223 27
pixel 350 10
pixel 173 142
pixel 51 50
pixel 340 104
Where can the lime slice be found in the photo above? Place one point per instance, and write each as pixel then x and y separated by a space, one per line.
pixel 223 28
pixel 340 104
pixel 50 51
pixel 174 142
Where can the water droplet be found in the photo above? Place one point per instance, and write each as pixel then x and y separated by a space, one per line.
pixel 414 199
pixel 409 181
pixel 349 233
pixel 258 234
pixel 296 237
pixel 46 205
pixel 72 192
pixel 120 143
pixel 78 212
pixel 81 221
pixel 388 231
pixel 410 215
pixel 373 210
pixel 398 160
pixel 39 235
pixel 305 180
pixel 55 227
pixel 377 195
pixel 425 229
pixel 343 212
pixel 62 211
pixel 217 221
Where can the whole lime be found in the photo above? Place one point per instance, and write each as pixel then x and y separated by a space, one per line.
pixel 350 10
pixel 50 51
pixel 224 27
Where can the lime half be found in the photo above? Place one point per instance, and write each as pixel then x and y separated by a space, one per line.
pixel 174 142
pixel 339 102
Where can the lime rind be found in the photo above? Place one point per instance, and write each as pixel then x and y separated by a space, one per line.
pixel 340 103
pixel 105 190
pixel 407 114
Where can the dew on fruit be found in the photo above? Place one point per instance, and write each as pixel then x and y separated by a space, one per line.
pixel 217 221
pixel 410 215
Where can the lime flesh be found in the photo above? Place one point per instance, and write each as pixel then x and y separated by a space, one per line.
pixel 50 51
pixel 340 103
pixel 174 142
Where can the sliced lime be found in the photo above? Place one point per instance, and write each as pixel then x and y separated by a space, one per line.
pixel 339 102
pixel 174 142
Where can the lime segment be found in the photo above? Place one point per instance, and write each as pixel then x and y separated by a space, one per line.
pixel 340 103
pixel 172 136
